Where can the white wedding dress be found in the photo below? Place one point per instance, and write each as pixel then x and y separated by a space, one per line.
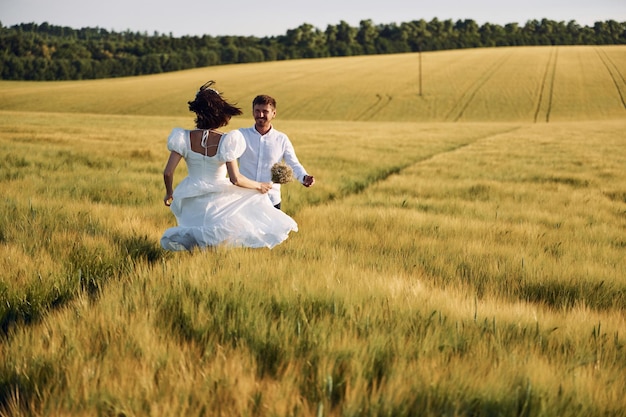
pixel 211 211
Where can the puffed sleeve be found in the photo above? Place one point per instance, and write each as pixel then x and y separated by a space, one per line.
pixel 232 146
pixel 176 142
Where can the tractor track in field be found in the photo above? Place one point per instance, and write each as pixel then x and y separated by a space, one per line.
pixel 614 73
pixel 375 108
pixel 458 109
pixel 547 85
pixel 385 172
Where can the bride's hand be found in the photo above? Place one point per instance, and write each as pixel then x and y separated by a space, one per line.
pixel 168 200
pixel 264 187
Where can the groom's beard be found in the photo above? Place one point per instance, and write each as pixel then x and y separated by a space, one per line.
pixel 262 123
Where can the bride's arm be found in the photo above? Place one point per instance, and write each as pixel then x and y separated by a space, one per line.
pixel 168 176
pixel 242 181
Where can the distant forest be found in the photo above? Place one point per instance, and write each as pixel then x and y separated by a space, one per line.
pixel 44 52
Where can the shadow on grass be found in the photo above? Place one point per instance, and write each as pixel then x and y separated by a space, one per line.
pixel 86 270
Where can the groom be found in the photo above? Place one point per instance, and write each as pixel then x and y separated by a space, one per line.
pixel 266 146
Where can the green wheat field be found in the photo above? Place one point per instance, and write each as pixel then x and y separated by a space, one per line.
pixel 462 252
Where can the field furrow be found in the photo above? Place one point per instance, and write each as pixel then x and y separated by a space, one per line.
pixel 466 98
pixel 616 75
pixel 544 101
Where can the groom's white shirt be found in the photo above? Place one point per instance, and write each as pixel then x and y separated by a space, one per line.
pixel 262 152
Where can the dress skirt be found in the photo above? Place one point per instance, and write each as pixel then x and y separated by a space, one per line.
pixel 222 214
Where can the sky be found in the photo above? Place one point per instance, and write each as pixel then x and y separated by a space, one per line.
pixel 274 17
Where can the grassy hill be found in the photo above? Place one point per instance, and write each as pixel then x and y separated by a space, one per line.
pixel 526 84
pixel 461 253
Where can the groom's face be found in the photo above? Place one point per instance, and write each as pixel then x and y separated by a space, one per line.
pixel 263 114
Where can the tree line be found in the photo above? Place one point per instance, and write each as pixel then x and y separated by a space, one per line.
pixel 44 52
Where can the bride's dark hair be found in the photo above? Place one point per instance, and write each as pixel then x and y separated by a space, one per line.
pixel 211 109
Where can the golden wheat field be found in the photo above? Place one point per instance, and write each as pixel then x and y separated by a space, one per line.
pixel 461 253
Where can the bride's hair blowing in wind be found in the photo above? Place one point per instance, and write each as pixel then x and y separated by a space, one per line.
pixel 211 109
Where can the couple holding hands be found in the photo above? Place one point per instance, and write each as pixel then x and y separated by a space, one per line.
pixel 231 195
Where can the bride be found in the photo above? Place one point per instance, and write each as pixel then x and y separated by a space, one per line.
pixel 212 208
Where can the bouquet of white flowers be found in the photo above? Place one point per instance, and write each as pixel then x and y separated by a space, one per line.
pixel 281 173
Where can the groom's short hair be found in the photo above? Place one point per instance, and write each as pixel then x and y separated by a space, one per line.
pixel 264 99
